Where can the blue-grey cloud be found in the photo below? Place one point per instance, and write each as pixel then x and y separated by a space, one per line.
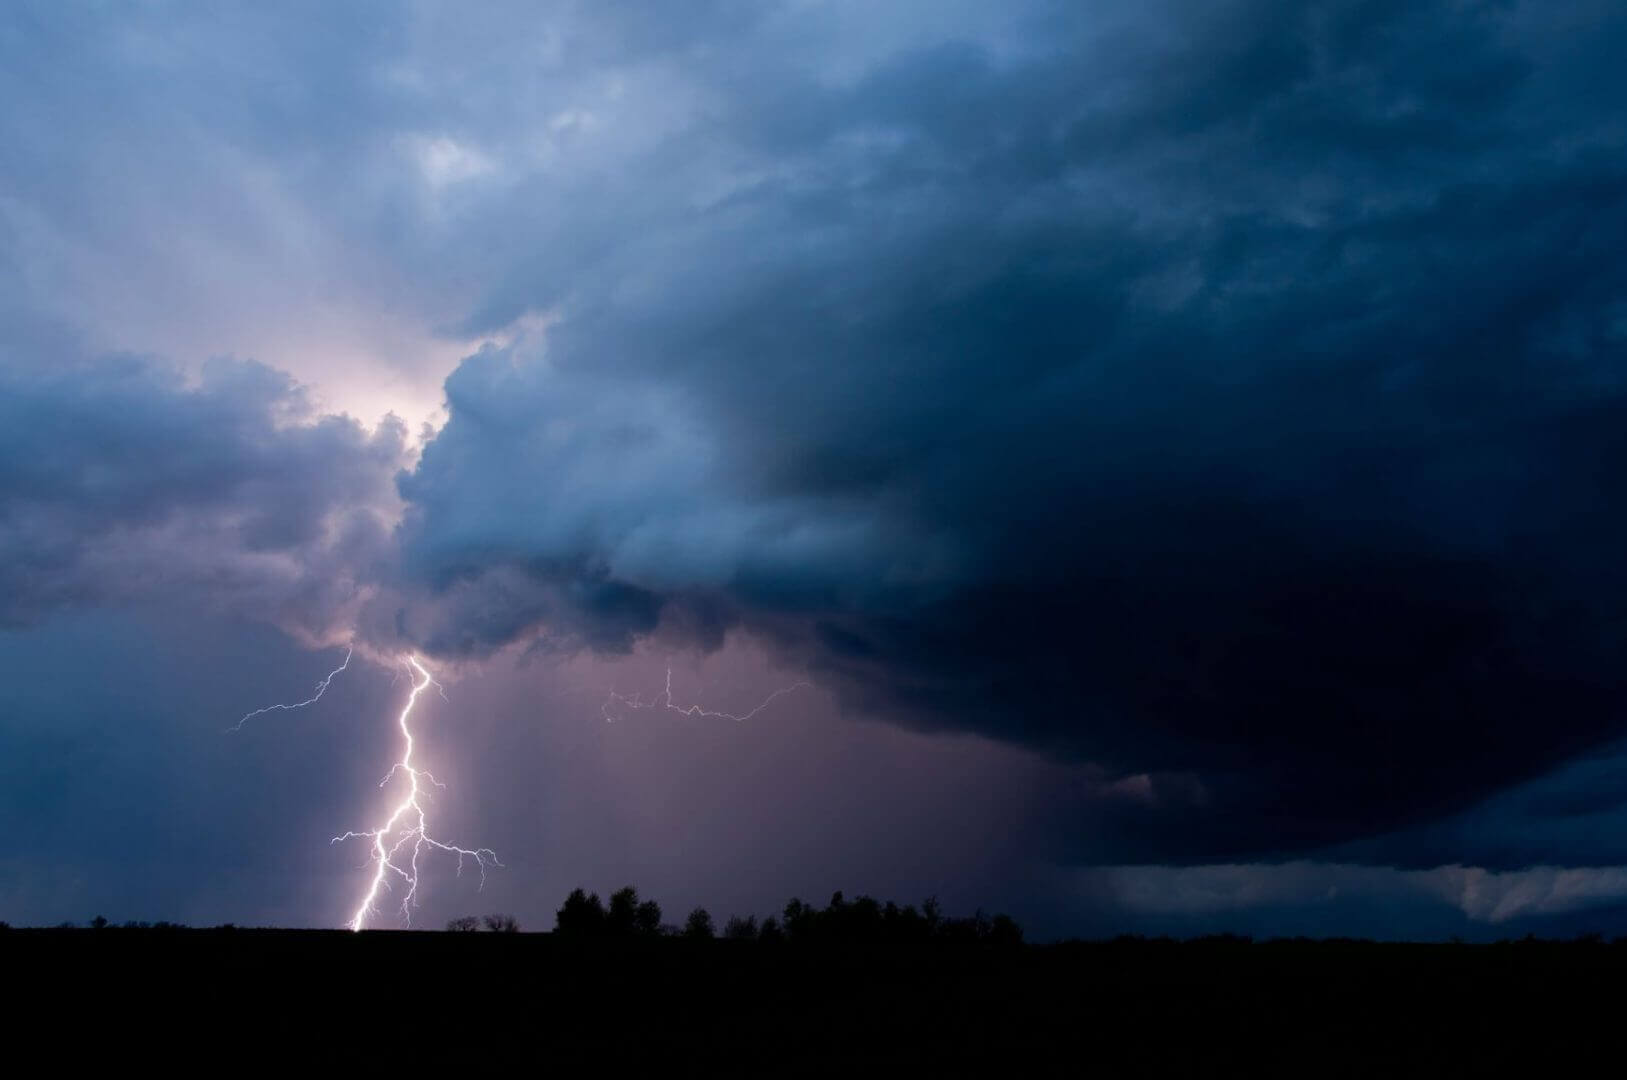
pixel 1225 395
pixel 1322 899
pixel 1233 393
pixel 121 482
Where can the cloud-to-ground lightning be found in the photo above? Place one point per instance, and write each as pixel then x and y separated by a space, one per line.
pixel 664 701
pixel 398 846
pixel 321 688
pixel 399 843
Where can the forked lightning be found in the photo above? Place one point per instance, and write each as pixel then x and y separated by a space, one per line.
pixel 321 688
pixel 406 831
pixel 398 845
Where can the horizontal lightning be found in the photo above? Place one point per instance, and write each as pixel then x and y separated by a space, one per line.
pixel 321 688
pixel 636 701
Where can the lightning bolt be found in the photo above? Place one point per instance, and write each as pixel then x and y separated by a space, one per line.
pixel 397 847
pixel 399 844
pixel 664 701
pixel 321 688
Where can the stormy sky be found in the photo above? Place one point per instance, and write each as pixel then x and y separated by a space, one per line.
pixel 1183 444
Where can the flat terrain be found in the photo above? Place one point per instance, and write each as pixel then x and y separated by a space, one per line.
pixel 1116 1009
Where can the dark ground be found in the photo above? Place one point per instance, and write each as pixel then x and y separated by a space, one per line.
pixel 1113 1009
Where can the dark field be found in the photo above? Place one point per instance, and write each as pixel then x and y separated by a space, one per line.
pixel 1116 1009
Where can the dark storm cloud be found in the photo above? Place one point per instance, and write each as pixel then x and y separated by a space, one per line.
pixel 121 481
pixel 1227 393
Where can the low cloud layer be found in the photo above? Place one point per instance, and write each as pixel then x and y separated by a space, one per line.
pixel 1484 897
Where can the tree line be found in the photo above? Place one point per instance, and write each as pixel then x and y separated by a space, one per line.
pixel 862 920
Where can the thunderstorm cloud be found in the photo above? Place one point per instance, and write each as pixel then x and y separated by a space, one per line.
pixel 1223 403
pixel 1234 394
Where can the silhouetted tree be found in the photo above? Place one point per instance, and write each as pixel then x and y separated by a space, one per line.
pixel 905 924
pixel 502 924
pixel 647 919
pixel 583 915
pixel 699 925
pixel 964 931
pixel 861 921
pixel 740 928
pixel 1005 932
pixel 464 925
pixel 99 922
pixel 800 920
pixel 622 918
